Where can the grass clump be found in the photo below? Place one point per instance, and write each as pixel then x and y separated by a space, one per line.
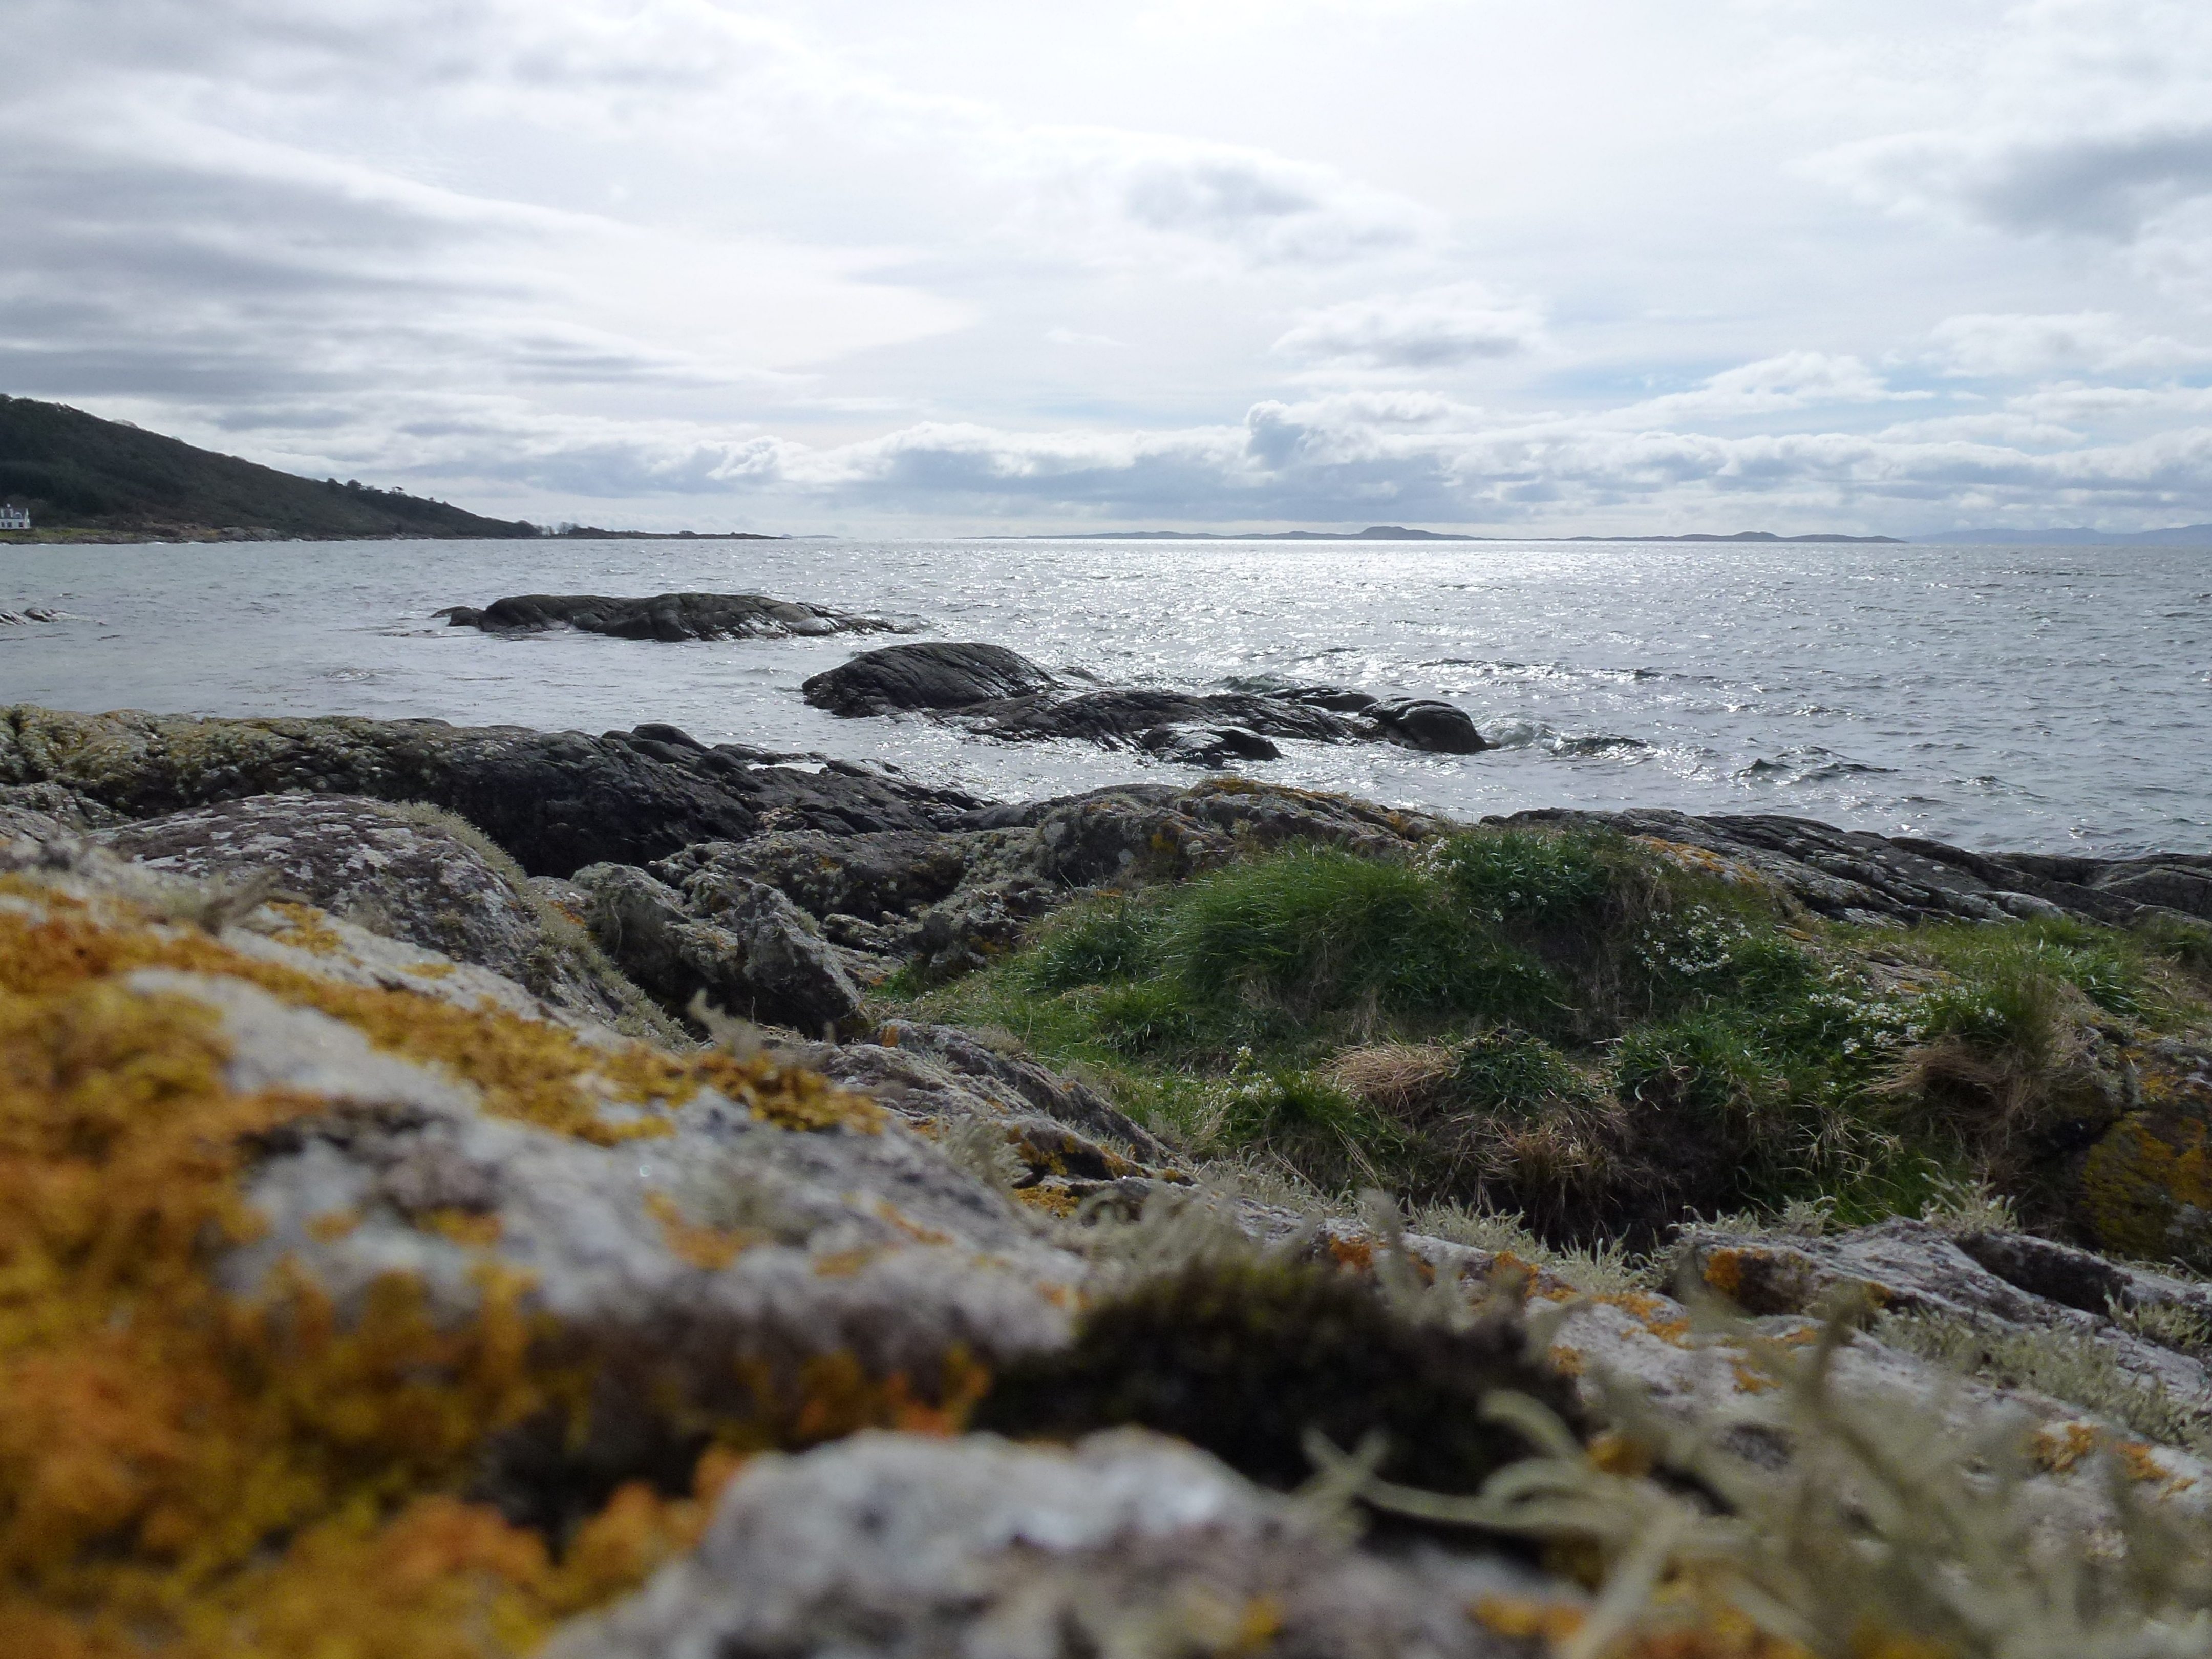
pixel 1573 1026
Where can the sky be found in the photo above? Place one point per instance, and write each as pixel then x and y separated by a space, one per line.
pixel 1515 267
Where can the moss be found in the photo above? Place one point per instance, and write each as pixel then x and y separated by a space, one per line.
pixel 1243 1357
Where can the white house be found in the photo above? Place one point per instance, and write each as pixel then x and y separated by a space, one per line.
pixel 15 517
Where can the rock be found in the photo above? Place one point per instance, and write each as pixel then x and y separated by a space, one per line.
pixel 664 616
pixel 565 1262
pixel 1855 875
pixel 1123 717
pixel 1212 745
pixel 994 693
pixel 756 955
pixel 1442 728
pixel 43 811
pixel 930 674
pixel 2146 1186
pixel 409 873
pixel 556 800
pixel 1126 1543
pixel 885 874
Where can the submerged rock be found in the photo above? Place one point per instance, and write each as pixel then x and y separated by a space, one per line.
pixel 667 617
pixel 995 693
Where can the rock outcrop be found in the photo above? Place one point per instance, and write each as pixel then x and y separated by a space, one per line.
pixel 556 800
pixel 995 693
pixel 410 873
pixel 665 617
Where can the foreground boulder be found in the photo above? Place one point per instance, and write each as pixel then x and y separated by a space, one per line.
pixel 996 693
pixel 666 616
pixel 556 800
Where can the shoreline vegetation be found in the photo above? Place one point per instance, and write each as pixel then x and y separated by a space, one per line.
pixel 492 1192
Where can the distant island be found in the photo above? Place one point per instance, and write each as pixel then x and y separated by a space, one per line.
pixel 1392 533
pixel 85 479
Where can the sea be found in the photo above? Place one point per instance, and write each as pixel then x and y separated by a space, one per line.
pixel 2030 698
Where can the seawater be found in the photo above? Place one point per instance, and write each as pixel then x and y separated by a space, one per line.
pixel 2032 698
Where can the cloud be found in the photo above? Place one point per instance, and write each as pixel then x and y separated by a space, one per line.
pixel 1791 381
pixel 2012 346
pixel 1437 328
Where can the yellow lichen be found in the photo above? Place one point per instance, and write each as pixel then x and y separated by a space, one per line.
pixel 190 1474
pixel 710 1248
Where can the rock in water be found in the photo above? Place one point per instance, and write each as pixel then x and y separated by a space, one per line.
pixel 1426 723
pixel 668 617
pixel 994 693
pixel 930 674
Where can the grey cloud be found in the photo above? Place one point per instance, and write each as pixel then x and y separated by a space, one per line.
pixel 1441 328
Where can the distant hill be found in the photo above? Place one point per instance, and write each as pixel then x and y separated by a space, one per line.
pixel 2184 535
pixel 76 471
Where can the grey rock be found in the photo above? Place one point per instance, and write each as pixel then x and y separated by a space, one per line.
pixel 1855 875
pixel 756 955
pixel 930 674
pixel 994 693
pixel 668 617
pixel 556 800
pixel 1442 728
pixel 401 873
pixel 907 1547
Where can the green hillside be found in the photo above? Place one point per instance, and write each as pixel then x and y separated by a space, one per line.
pixel 76 471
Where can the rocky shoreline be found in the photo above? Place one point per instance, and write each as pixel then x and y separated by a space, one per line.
pixel 595 1137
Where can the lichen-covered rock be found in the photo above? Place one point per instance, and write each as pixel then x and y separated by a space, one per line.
pixel 556 800
pixel 757 956
pixel 330 1254
pixel 2146 1186
pixel 1129 1543
pixel 410 873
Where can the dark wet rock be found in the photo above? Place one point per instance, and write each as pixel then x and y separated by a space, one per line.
pixel 1124 717
pixel 994 693
pixel 757 956
pixel 1856 875
pixel 668 617
pixel 1442 728
pixel 407 873
pixel 557 800
pixel 930 674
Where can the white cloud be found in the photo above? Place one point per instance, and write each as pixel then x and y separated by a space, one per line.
pixel 1777 385
pixel 1438 328
pixel 2012 346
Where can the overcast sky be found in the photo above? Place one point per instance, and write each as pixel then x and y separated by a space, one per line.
pixel 1544 266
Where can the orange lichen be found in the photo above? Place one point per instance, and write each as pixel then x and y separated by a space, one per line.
pixel 1053 1201
pixel 711 1247
pixel 477 1229
pixel 524 1068
pixel 190 1474
pixel 2058 1446
pixel 1723 1271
